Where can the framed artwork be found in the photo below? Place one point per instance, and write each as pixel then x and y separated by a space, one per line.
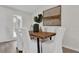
pixel 52 16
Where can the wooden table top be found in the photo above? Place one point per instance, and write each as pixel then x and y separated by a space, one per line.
pixel 42 35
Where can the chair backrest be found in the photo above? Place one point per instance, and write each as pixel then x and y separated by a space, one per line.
pixel 50 28
pixel 29 46
pixel 59 37
pixel 26 40
pixel 60 33
pixel 55 45
pixel 19 38
pixel 22 37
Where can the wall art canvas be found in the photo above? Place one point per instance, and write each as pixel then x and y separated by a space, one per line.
pixel 52 16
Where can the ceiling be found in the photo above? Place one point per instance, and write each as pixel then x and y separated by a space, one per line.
pixel 30 8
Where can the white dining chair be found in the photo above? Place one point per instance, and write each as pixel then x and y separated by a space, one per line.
pixel 54 45
pixel 24 43
pixel 19 39
pixel 29 45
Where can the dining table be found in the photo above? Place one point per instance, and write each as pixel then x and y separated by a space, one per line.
pixel 41 36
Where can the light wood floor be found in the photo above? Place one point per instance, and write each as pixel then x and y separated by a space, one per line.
pixel 10 47
pixel 66 50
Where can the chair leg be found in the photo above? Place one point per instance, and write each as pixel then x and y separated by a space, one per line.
pixel 50 38
pixel 40 46
pixel 20 51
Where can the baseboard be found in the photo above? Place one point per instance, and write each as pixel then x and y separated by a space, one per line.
pixel 70 48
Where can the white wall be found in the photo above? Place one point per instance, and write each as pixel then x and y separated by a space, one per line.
pixel 6 22
pixel 40 11
pixel 70 19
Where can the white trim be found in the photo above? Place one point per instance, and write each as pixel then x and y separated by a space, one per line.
pixel 71 48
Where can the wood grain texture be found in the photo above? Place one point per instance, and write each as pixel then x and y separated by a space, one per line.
pixel 52 17
pixel 42 35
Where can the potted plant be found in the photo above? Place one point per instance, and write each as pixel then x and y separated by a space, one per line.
pixel 38 20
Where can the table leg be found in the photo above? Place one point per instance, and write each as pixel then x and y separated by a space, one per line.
pixel 38 45
pixel 50 38
pixel 41 47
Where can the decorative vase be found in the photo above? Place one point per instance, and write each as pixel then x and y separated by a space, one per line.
pixel 37 20
pixel 36 28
